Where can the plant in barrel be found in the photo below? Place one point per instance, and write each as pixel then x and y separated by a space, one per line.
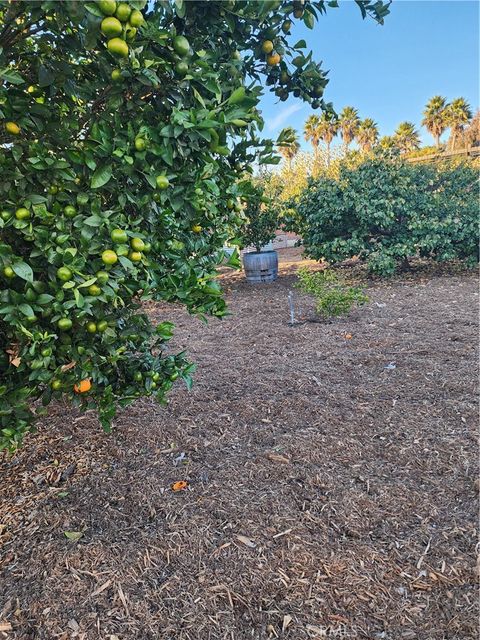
pixel 125 130
pixel 261 222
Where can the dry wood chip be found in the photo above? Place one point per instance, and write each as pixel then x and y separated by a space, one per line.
pixel 286 622
pixel 277 457
pixel 5 626
pixel 104 586
pixel 246 541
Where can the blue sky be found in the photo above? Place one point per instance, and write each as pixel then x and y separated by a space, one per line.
pixel 389 72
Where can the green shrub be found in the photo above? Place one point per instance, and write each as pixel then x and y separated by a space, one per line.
pixel 332 295
pixel 387 211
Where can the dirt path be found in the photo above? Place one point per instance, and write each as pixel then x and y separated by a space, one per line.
pixel 331 484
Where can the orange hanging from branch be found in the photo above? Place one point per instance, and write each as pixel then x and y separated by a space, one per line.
pixel 83 386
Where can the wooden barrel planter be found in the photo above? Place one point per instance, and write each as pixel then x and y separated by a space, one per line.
pixel 260 266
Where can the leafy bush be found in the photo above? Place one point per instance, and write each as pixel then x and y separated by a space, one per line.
pixel 332 295
pixel 387 211
pixel 261 219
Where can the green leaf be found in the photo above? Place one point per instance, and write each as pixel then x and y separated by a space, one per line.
pixel 26 309
pixel 45 76
pixel 73 535
pixel 11 76
pixel 23 270
pixel 79 299
pixel 94 9
pixel 180 8
pixel 101 176
pixel 309 20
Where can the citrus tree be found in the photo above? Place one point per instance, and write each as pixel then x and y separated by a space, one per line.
pixel 386 211
pixel 127 133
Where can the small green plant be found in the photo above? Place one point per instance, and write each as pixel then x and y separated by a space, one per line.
pixel 332 295
pixel 261 219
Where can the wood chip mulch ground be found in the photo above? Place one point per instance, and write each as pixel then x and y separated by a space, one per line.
pixel 332 483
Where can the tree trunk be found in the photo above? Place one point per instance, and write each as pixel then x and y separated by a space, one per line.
pixel 328 154
pixel 405 265
pixel 315 154
pixel 437 140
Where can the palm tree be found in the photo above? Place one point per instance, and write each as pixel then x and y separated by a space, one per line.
pixel 458 114
pixel 387 143
pixel 328 126
pixel 312 132
pixel 406 137
pixel 367 134
pixel 288 144
pixel 434 117
pixel 349 122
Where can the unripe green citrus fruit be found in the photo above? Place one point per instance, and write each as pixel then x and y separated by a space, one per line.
pixel 107 7
pixel 102 277
pixel 94 290
pixel 267 46
pixel 64 273
pixel 118 47
pixel 137 244
pixel 119 236
pixel 123 11
pixel 22 213
pixel 111 27
pixel 135 256
pixel 136 19
pixel 130 34
pixel 64 324
pixel 109 257
pixel 70 211
pixel 181 46
pixel 116 75
pixel 162 182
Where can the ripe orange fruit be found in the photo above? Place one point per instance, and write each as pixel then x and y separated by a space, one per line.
pixel 13 128
pixel 83 386
pixel 273 59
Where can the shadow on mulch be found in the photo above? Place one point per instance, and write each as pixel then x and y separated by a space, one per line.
pixel 331 483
